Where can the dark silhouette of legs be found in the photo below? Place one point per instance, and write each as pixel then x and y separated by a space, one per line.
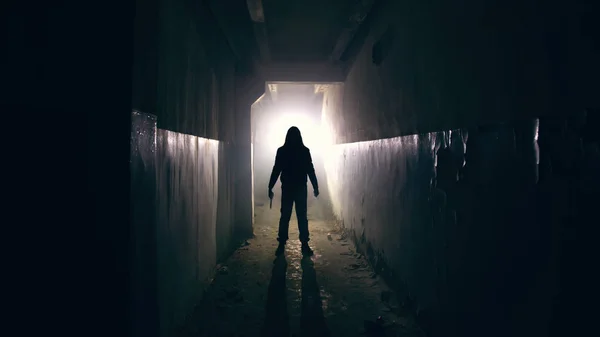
pixel 277 323
pixel 287 202
pixel 291 195
pixel 312 320
pixel 280 249
pixel 301 210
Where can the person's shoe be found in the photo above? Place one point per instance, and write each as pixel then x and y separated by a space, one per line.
pixel 280 249
pixel 306 251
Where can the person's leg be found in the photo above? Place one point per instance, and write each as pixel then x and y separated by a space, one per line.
pixel 301 209
pixel 287 202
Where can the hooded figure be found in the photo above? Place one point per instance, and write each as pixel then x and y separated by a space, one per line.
pixel 294 163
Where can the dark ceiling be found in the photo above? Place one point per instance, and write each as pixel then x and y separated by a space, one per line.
pixel 305 30
pixel 291 31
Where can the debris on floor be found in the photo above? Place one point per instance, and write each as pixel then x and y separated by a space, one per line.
pixel 333 293
pixel 222 269
pixel 374 328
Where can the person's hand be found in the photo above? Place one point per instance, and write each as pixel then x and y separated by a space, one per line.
pixel 271 194
pixel 316 193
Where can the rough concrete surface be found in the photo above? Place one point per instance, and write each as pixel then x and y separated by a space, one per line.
pixel 195 71
pixel 143 231
pixel 471 225
pixel 463 251
pixel 332 293
pixel 419 67
pixel 186 254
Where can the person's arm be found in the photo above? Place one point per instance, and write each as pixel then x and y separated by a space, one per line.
pixel 276 170
pixel 311 173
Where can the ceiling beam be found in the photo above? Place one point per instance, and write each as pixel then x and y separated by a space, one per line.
pixel 273 91
pixel 362 8
pixel 233 19
pixel 257 14
pixel 356 44
pixel 321 88
pixel 255 8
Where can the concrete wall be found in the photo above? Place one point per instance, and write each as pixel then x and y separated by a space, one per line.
pixel 452 254
pixel 427 66
pixel 184 69
pixel 143 224
pixel 184 73
pixel 193 59
pixel 187 182
pixel 473 249
pixel 249 89
pixel 569 190
pixel 226 232
pixel 182 221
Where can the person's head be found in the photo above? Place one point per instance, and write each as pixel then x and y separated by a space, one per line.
pixel 293 137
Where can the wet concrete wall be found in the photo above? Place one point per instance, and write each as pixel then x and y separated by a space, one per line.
pixel 461 224
pixel 143 224
pixel 184 68
pixel 473 249
pixel 419 66
pixel 225 232
pixel 249 89
pixel 187 205
pixel 193 61
pixel 185 73
pixel 570 193
pixel 452 253
pixel 182 221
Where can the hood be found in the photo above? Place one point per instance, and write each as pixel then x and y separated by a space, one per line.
pixel 293 137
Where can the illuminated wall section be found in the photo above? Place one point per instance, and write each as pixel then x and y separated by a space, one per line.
pixel 187 183
pixel 449 218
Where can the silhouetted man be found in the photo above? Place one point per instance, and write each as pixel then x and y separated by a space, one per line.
pixel 294 163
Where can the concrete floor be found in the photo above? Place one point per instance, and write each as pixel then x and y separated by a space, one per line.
pixel 332 293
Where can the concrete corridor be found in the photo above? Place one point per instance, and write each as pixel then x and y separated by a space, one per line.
pixel 332 293
pixel 461 157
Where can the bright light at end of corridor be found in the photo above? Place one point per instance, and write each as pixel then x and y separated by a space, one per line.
pixel 310 128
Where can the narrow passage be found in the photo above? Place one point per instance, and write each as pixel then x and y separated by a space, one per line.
pixel 333 293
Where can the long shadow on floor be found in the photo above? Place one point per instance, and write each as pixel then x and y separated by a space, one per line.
pixel 277 322
pixel 312 321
